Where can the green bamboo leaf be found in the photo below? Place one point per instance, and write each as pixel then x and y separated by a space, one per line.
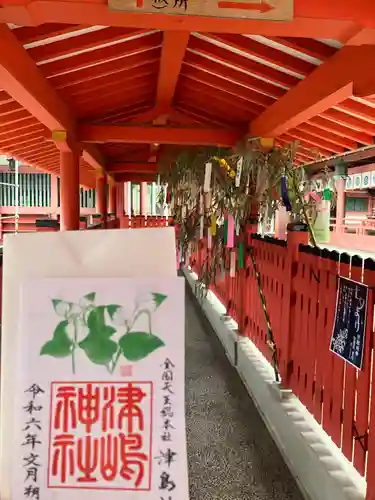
pixel 61 345
pixel 159 298
pixel 90 296
pixel 99 350
pixel 138 345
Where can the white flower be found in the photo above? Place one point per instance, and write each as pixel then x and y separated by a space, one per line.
pixel 61 307
pixel 123 316
pixel 146 302
pixel 74 311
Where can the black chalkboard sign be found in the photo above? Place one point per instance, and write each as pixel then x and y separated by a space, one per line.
pixel 348 335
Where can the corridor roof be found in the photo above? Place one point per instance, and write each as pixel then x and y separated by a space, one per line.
pixel 125 83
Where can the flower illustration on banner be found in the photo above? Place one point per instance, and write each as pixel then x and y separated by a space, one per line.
pixel 339 342
pixel 104 332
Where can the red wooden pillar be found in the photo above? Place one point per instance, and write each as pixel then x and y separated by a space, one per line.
pixel 120 198
pixel 69 190
pixel 112 198
pixel 101 197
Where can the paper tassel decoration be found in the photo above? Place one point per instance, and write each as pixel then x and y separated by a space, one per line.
pixel 213 225
pixel 241 263
pixel 232 269
pixel 209 238
pixel 207 177
pixel 230 231
pixel 239 172
pixel 225 231
pixel 184 211
pixel 201 228
pixel 284 194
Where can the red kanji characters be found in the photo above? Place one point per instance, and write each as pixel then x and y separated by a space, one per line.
pixel 132 457
pixel 108 412
pixel 63 456
pixel 130 397
pixel 66 408
pixel 87 458
pixel 96 435
pixel 88 406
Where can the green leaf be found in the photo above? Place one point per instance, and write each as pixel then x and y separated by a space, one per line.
pixel 99 350
pixel 138 345
pixel 112 309
pixel 90 296
pixel 60 346
pixel 96 323
pixel 159 298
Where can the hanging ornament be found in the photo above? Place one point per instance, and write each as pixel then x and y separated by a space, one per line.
pixel 230 231
pixel 284 194
pixel 239 172
pixel 327 194
pixel 225 231
pixel 237 225
pixel 207 177
pixel 213 225
pixel 241 263
pixel 209 238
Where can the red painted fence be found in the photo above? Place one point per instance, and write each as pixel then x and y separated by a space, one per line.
pixel 300 288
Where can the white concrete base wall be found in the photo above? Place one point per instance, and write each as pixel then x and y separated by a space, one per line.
pixel 318 466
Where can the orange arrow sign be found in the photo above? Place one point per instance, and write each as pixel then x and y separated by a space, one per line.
pixel 262 7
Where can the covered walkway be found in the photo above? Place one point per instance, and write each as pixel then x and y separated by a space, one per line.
pixel 231 454
pixel 97 92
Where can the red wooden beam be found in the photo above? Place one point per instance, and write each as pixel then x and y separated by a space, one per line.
pixel 22 79
pixel 134 177
pixel 172 54
pixel 327 86
pixel 132 167
pixel 157 135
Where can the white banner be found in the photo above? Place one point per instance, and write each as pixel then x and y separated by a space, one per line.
pixel 99 396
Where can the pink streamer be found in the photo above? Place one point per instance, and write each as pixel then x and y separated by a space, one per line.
pixel 230 238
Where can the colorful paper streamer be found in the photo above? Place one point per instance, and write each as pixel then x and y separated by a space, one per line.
pixel 230 231
pixel 241 263
pixel 207 177
pixel 209 238
pixel 213 225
